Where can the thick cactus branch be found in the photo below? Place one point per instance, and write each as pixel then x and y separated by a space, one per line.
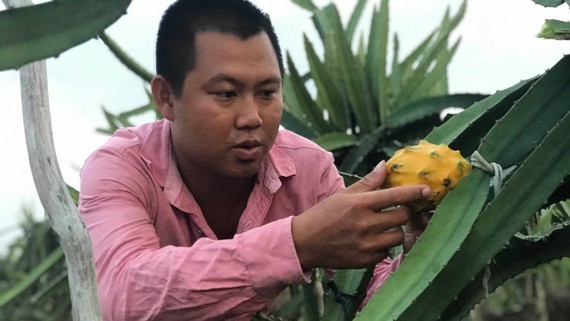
pixel 549 3
pixel 449 255
pixel 530 118
pixel 504 216
pixel 46 30
pixel 508 263
pixel 465 130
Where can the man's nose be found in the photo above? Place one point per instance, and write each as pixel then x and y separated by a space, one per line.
pixel 248 116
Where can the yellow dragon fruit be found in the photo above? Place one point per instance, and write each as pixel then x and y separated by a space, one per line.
pixel 438 166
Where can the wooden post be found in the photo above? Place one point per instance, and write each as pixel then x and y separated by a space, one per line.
pixel 62 212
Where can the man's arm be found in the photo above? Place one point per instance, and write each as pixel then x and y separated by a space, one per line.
pixel 212 279
pixel 357 226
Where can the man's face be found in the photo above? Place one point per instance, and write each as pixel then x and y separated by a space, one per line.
pixel 228 115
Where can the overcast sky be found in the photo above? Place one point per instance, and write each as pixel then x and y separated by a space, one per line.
pixel 498 48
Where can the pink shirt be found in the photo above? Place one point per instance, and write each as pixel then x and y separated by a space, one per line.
pixel 156 256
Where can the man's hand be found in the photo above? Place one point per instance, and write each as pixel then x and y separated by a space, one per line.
pixel 356 226
pixel 414 229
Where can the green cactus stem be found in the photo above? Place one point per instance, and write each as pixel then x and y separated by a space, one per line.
pixel 465 130
pixel 475 120
pixel 449 254
pixel 46 30
pixel 125 59
pixel 512 260
pixel 549 3
pixel 432 251
pixel 555 29
pixel 504 216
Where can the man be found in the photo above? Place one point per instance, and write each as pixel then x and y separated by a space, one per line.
pixel 210 213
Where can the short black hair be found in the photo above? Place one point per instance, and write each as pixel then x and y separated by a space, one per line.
pixel 175 43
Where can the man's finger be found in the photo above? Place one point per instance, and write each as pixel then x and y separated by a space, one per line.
pixel 394 196
pixel 371 181
pixel 391 219
pixel 391 238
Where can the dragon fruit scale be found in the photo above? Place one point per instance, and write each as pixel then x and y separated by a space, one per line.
pixel 438 166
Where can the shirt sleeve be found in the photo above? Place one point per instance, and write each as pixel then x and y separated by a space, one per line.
pixel 212 279
pixel 331 180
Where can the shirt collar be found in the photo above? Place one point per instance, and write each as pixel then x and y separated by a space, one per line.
pixel 276 165
pixel 156 152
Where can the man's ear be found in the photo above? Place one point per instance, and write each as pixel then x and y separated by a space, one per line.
pixel 163 96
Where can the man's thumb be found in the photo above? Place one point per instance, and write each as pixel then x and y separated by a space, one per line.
pixel 371 181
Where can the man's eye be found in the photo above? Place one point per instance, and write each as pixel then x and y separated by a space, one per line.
pixel 225 94
pixel 268 93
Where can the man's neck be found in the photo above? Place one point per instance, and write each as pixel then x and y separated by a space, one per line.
pixel 216 189
pixel 221 200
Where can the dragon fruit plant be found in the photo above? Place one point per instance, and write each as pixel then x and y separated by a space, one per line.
pixel 520 151
pixel 553 28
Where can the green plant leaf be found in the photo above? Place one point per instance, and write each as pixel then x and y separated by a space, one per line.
pixel 562 193
pixel 500 220
pixel 46 30
pixel 541 115
pixel 112 122
pixel 311 302
pixel 310 110
pixel 123 119
pixel 306 4
pixel 329 93
pixel 61 310
pixel 332 64
pixel 361 54
pixel 355 19
pixel 414 57
pixel 549 3
pixel 290 308
pixel 292 123
pixel 459 123
pixel 448 227
pixel 362 149
pixel 31 277
pixel 395 77
pixel 352 73
pixel 402 72
pixel 291 103
pixel 431 53
pixel 58 283
pixel 441 82
pixel 74 193
pixel 125 59
pixel 543 105
pixel 555 29
pixel 376 58
pixel 436 76
pixel 335 140
pixel 508 263
pixel 425 107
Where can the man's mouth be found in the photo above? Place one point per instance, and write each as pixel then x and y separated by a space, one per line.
pixel 248 149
